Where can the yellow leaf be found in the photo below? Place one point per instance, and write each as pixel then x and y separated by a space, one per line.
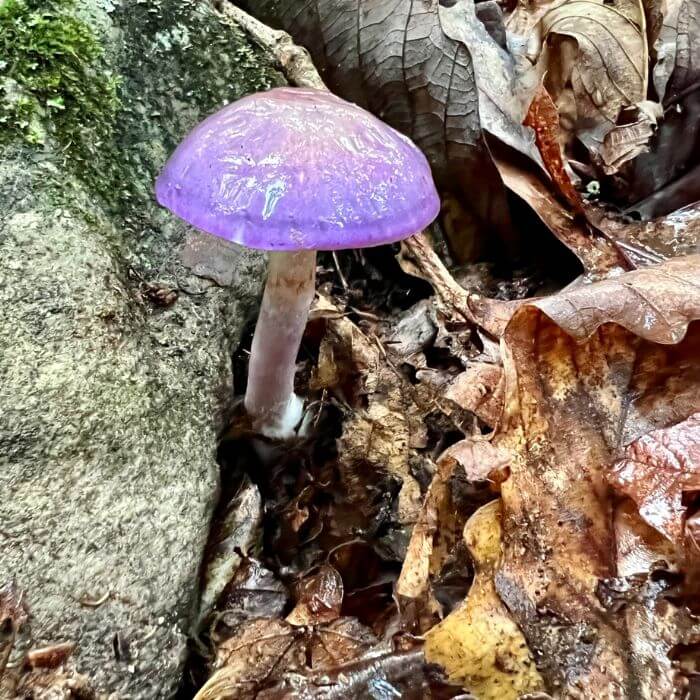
pixel 478 644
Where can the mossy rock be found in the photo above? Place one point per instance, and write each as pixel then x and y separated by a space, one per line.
pixel 111 400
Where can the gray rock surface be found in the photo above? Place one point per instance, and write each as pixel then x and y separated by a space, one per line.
pixel 112 391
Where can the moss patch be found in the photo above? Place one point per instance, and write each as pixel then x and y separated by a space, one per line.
pixel 53 78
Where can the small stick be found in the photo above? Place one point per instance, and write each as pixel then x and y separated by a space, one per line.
pixel 294 61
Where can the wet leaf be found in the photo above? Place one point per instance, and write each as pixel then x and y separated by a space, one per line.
pixel 479 645
pixel 252 593
pixel 543 117
pixel 257 655
pixel 646 243
pixel 587 372
pixel 319 598
pixel 655 624
pixel 657 470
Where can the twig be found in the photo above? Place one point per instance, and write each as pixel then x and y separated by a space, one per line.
pixel 490 314
pixel 293 60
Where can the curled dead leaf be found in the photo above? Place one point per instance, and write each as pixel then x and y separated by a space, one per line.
pixel 319 598
pixel 595 53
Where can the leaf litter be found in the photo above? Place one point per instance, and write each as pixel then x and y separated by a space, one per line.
pixel 495 491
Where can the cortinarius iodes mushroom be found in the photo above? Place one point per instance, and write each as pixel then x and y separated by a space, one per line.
pixel 294 171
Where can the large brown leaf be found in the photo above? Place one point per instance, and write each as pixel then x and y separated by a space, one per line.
pixel 432 72
pixel 587 372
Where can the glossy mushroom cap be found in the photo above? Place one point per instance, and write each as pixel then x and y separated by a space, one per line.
pixel 293 169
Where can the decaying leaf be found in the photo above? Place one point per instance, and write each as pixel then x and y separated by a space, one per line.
pixel 440 525
pixel 596 61
pixel 657 470
pixel 263 650
pixel 667 177
pixel 543 117
pixel 587 372
pixel 646 243
pixel 630 136
pixel 655 624
pixel 478 644
pixel 319 598
pixel 236 530
pixel 674 53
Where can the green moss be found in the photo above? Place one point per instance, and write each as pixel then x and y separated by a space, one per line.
pixel 52 77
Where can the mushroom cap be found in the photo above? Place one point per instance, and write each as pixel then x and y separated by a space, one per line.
pixel 293 169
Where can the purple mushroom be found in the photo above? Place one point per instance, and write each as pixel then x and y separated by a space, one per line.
pixel 294 171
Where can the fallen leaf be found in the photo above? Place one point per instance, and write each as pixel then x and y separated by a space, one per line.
pixel 640 548
pixel 319 598
pixel 657 470
pixel 674 47
pixel 543 117
pixel 253 592
pixel 595 54
pixel 479 645
pixel 646 243
pixel 587 372
pixel 236 530
pixel 630 136
pixel 667 177
pixel 260 652
pixel 478 389
pixel 643 593
pixel 440 526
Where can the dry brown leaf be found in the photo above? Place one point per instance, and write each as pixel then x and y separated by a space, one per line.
pixel 596 61
pixel 439 526
pixel 640 548
pixel 630 136
pixel 479 389
pixel 543 117
pixel 587 372
pixel 479 645
pixel 597 254
pixel 420 607
pixel 657 470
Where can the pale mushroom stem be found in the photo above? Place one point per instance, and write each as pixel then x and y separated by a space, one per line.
pixel 270 400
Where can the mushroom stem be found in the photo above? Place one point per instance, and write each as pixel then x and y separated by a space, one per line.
pixel 270 400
